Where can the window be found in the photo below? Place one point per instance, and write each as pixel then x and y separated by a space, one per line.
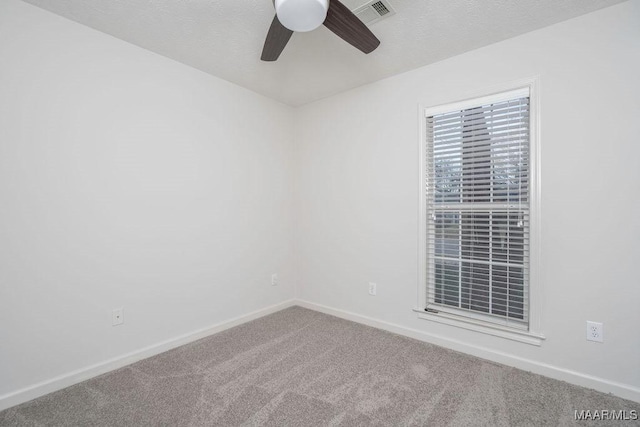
pixel 476 213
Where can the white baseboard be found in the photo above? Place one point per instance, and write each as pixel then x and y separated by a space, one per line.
pixel 71 378
pixel 24 395
pixel 624 391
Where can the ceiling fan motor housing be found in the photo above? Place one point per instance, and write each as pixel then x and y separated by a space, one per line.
pixel 302 15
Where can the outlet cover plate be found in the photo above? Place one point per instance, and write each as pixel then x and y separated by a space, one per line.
pixel 117 317
pixel 595 331
pixel 372 288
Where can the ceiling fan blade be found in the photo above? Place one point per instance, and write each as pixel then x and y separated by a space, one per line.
pixel 347 26
pixel 277 38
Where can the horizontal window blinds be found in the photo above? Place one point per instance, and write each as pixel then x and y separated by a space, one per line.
pixel 478 211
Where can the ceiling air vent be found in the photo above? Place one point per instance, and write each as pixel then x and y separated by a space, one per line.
pixel 374 11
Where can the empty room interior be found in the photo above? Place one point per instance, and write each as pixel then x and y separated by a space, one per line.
pixel 319 212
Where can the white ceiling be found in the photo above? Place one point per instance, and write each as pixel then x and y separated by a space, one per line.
pixel 225 37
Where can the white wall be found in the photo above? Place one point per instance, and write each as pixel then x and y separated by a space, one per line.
pixel 128 180
pixel 357 196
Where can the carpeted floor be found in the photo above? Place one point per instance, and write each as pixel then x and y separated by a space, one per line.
pixel 298 367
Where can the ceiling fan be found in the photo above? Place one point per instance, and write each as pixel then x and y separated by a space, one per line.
pixel 307 15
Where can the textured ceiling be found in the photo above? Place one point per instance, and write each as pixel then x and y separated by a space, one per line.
pixel 225 37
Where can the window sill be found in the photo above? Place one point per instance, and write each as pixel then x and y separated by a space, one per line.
pixel 482 327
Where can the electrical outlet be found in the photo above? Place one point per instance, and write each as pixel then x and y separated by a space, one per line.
pixel 372 288
pixel 117 316
pixel 274 279
pixel 595 331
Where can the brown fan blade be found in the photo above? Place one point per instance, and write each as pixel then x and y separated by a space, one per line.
pixel 348 27
pixel 277 38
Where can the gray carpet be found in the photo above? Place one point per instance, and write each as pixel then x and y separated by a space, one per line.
pixel 298 367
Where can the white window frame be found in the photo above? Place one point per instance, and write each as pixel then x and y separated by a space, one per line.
pixel 533 334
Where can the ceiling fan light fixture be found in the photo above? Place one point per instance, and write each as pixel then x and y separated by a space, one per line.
pixel 302 15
